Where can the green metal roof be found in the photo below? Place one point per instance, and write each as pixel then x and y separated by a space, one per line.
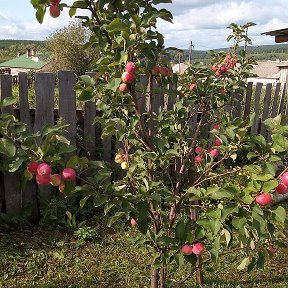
pixel 24 62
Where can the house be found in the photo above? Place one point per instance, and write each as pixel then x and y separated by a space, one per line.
pixel 179 68
pixel 24 63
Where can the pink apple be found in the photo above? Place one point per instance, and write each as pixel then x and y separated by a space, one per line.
pixel 56 179
pixel 32 167
pixel 54 2
pixel 156 69
pixel 199 150
pixel 133 222
pixel 223 68
pixel 44 169
pixel 222 91
pixel 130 67
pixel 43 179
pixel 123 87
pixel 197 248
pixel 198 159
pixel 164 71
pixel 284 178
pixel 127 77
pixel 214 153
pixel 214 67
pixel 216 126
pixel 281 188
pixel 54 11
pixel 68 174
pixel 187 249
pixel 193 86
pixel 218 142
pixel 263 199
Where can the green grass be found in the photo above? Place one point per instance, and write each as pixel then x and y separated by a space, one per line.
pixel 48 259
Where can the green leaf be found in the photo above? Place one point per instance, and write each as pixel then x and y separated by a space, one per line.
pixel 215 226
pixel 14 166
pixel 8 101
pixel 40 15
pixel 7 147
pixel 244 264
pixel 180 231
pixel 269 185
pixel 113 219
pixel 279 214
pixel 100 199
pixel 116 25
pixel 83 201
pixel 179 259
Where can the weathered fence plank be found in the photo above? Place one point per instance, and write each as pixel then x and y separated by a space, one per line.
pixel 67 103
pixel 255 126
pixel 275 100
pixel 248 100
pixel 44 113
pixel 282 100
pixel 23 101
pixel 265 114
pixel 13 200
pixel 44 89
pixel 89 128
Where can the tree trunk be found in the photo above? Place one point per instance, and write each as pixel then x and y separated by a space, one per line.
pixel 163 277
pixel 199 274
pixel 154 278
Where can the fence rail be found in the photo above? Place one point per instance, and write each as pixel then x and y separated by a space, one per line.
pixel 264 101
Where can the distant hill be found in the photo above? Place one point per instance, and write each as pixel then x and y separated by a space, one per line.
pixel 260 53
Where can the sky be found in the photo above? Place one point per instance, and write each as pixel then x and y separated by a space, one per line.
pixel 203 22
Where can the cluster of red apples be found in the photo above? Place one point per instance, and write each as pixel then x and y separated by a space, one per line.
pixel 54 9
pixel 214 152
pixel 44 176
pixel 264 199
pixel 187 249
pixel 127 77
pixel 228 63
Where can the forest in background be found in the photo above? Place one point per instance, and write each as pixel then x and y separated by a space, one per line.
pixel 10 48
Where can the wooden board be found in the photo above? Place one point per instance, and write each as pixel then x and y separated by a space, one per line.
pixel 254 128
pixel 265 114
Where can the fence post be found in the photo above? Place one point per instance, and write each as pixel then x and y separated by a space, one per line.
pixel 13 199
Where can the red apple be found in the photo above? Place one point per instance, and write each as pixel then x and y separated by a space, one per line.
pixel 54 11
pixel 199 150
pixel 130 67
pixel 271 250
pixel 214 153
pixel 197 248
pixel 164 71
pixel 263 199
pixel 223 68
pixel 56 179
pixel 187 249
pixel 214 67
pixel 216 126
pixel 193 86
pixel 43 179
pixel 123 87
pixel 127 77
pixel 44 169
pixel 284 178
pixel 32 167
pixel 218 142
pixel 198 159
pixel 222 91
pixel 281 188
pixel 156 69
pixel 68 174
pixel 133 222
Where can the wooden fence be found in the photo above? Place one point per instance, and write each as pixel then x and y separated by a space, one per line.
pixel 265 102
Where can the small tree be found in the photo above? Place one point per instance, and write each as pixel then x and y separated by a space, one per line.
pixel 171 167
pixel 67 46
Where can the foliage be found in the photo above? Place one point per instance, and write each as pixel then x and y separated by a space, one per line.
pixel 68 51
pixel 164 183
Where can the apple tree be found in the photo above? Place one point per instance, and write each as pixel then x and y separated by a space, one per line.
pixel 195 182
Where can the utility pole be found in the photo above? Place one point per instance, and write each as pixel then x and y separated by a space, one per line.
pixel 190 52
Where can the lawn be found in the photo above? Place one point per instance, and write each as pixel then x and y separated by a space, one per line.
pixel 40 258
